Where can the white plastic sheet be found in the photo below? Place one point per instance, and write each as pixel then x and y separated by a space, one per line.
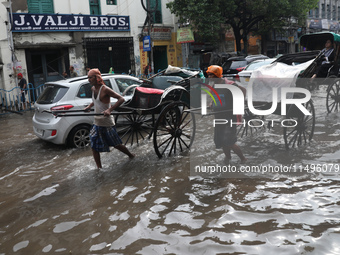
pixel 275 75
pixel 174 69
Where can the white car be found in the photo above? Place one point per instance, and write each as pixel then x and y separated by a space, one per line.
pixel 72 94
pixel 244 76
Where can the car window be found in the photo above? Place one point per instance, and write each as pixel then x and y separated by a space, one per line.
pixel 237 64
pixel 51 94
pixel 86 92
pixel 108 83
pixel 226 66
pixel 123 83
pixel 255 65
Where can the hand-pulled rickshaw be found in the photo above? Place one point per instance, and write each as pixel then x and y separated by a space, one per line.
pixel 159 108
pixel 298 128
pixel 286 72
pixel 306 64
pixel 316 42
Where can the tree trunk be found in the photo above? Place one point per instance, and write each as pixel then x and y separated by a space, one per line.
pixel 245 44
pixel 238 37
pixel 221 43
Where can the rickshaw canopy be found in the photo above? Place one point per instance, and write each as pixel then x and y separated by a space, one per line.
pixel 316 41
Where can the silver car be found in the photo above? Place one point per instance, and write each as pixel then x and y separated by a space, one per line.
pixel 72 94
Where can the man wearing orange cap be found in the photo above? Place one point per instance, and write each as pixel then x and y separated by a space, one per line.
pixel 103 133
pixel 225 135
pixel 23 86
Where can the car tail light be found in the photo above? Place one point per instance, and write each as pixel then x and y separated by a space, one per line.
pixel 237 77
pixel 62 107
pixel 54 132
pixel 239 69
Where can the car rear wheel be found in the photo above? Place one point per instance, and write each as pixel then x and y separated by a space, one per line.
pixel 79 136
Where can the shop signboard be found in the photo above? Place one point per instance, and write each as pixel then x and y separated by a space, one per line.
pixel 28 22
pixel 147 43
pixel 159 33
pixel 185 35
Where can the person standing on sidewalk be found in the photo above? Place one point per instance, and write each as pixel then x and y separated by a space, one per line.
pixel 103 133
pixel 72 72
pixel 23 86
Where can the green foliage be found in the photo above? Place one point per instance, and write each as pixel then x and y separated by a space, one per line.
pixel 204 16
pixel 209 18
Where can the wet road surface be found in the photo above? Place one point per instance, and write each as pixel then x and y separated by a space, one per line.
pixel 54 201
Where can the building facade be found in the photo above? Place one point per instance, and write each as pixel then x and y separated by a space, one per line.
pixel 43 38
pixel 325 17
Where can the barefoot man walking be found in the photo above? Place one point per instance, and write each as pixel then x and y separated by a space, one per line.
pixel 103 133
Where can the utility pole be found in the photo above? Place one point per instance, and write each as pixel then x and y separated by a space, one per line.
pixel 151 41
pixel 149 19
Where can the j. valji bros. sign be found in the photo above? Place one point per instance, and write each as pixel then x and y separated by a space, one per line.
pixel 27 22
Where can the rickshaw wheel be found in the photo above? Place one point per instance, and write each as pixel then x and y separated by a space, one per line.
pixel 174 130
pixel 299 128
pixel 133 128
pixel 333 97
pixel 251 125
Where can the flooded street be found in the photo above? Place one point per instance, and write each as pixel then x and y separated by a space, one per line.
pixel 54 201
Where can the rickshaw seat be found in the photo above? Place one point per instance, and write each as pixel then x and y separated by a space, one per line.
pixel 162 82
pixel 146 98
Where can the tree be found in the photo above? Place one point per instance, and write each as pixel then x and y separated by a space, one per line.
pixel 211 18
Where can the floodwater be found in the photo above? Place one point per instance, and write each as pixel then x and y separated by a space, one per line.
pixel 54 201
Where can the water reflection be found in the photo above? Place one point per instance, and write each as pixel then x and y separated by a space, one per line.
pixel 53 201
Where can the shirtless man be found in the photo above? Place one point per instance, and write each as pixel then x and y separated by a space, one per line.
pixel 103 133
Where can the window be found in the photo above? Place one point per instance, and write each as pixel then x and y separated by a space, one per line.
pixel 157 15
pixel 95 7
pixel 85 91
pixel 51 94
pixel 108 83
pixel 124 83
pixel 40 6
pixel 111 2
pixel 329 12
pixel 255 65
pixel 310 14
pixel 323 11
